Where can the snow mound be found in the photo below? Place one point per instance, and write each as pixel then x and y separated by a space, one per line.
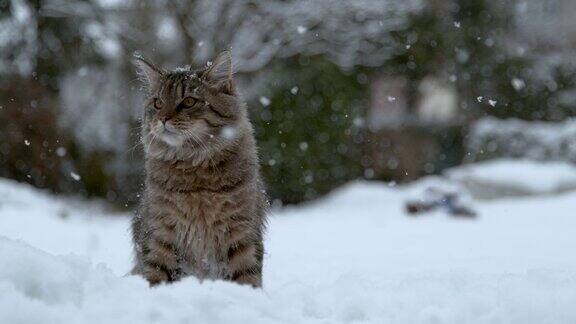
pixel 504 178
pixel 354 257
pixel 64 225
pixel 40 288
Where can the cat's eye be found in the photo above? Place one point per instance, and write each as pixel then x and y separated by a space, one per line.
pixel 188 102
pixel 158 103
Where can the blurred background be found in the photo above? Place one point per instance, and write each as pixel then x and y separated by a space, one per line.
pixel 389 90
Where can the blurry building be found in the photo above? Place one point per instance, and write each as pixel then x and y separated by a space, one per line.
pixel 388 102
pixel 438 102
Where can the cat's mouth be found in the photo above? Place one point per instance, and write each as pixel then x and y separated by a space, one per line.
pixel 167 130
pixel 176 137
pixel 169 135
pixel 171 138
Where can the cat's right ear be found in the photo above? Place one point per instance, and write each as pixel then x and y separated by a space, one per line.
pixel 148 72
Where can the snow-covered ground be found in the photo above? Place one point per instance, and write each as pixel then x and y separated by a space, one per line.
pixel 503 177
pixel 354 257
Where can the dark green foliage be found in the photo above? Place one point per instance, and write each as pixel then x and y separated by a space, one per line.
pixel 545 100
pixel 307 138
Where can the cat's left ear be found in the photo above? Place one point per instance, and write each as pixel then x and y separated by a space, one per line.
pixel 219 73
pixel 148 72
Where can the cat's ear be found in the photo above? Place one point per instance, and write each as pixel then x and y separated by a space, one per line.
pixel 148 72
pixel 219 73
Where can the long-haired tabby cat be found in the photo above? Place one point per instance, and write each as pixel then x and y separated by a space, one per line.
pixel 203 210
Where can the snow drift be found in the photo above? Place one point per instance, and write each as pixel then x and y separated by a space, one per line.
pixel 504 178
pixel 353 257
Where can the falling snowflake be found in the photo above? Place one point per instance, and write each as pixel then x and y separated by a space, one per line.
pixel 229 132
pixel 480 98
pixel 301 29
pixel 457 24
pixel 358 121
pixel 61 151
pixel 265 101
pixel 492 102
pixel 391 99
pixel 75 176
pixel 27 142
pixel 294 90
pixel 518 84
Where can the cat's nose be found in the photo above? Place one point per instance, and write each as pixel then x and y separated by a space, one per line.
pixel 164 119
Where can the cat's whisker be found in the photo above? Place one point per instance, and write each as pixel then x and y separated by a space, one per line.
pixel 133 147
pixel 203 146
pixel 133 80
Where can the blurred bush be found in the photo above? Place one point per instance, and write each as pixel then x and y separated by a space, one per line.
pixel 32 148
pixel 309 128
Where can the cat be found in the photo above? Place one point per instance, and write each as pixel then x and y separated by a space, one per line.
pixel 203 211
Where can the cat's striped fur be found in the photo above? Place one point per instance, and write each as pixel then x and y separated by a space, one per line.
pixel 204 207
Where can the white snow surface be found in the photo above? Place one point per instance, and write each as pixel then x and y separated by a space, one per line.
pixel 353 257
pixel 506 177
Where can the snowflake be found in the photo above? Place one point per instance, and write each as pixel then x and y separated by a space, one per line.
pixel 265 101
pixel 518 84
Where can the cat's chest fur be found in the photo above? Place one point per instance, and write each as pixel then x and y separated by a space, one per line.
pixel 200 204
pixel 203 232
